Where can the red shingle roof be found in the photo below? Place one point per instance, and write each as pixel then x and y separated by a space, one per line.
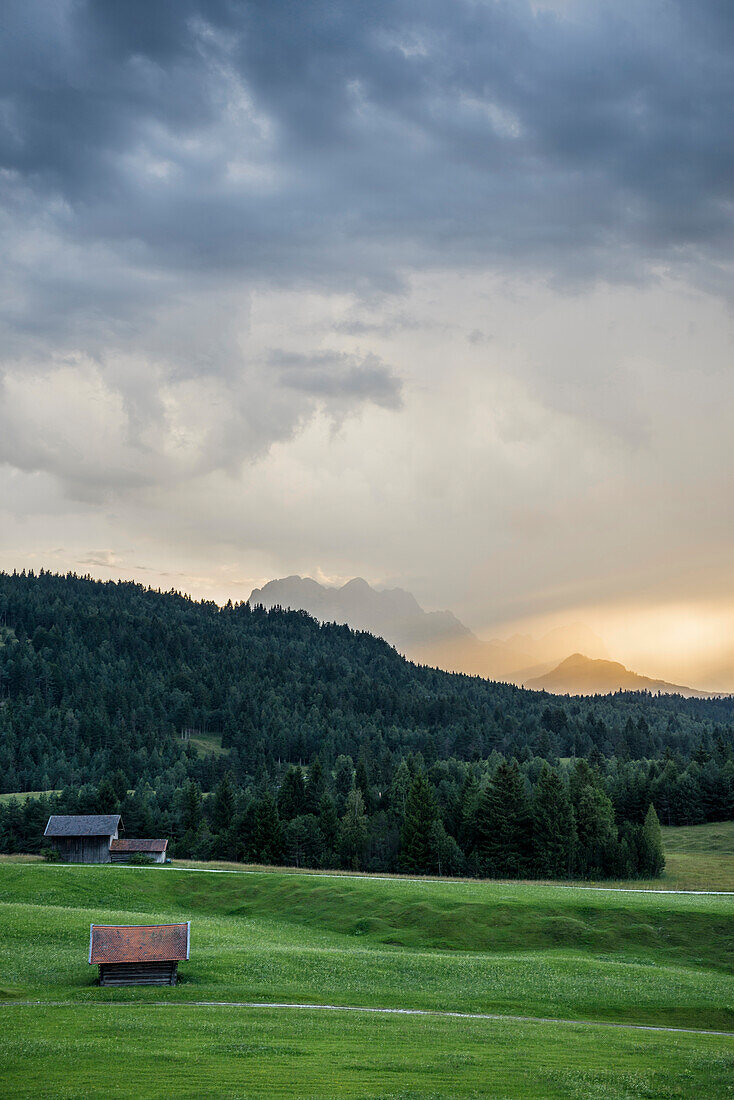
pixel 131 845
pixel 125 943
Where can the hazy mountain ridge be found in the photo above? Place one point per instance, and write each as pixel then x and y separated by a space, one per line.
pixel 581 675
pixel 438 638
pixel 429 637
pixel 392 614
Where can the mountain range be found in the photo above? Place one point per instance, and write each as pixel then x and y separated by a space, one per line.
pixel 438 638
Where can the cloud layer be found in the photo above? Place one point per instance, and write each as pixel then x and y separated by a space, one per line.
pixel 397 288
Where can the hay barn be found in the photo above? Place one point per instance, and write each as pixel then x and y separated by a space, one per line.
pixel 138 954
pixel 121 850
pixel 83 838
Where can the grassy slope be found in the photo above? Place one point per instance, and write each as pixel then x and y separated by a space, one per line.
pixel 209 743
pixel 113 1052
pixel 716 839
pixel 660 959
pixel 22 795
pixel 700 857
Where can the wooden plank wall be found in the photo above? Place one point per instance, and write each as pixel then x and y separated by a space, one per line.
pixel 142 973
pixel 83 849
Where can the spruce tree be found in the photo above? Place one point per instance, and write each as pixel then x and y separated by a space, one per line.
pixel 554 828
pixel 362 783
pixel 223 808
pixel 469 802
pixel 316 786
pixel 652 851
pixel 328 822
pixel 343 781
pixel 191 812
pixel 120 783
pixel 596 832
pixel 503 823
pixel 267 834
pixel 107 799
pixel 417 854
pixel 292 795
pixel 223 823
pixel 400 787
pixel 353 831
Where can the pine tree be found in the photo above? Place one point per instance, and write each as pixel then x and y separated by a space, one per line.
pixel 448 858
pixel 554 829
pixel 469 803
pixel 316 787
pixel 421 811
pixel 596 832
pixel 343 781
pixel 107 800
pixel 191 812
pixel 353 831
pixel 223 807
pixel 292 795
pixel 362 783
pixel 267 833
pixel 400 787
pixel 503 823
pixel 120 783
pixel 223 819
pixel 328 822
pixel 652 852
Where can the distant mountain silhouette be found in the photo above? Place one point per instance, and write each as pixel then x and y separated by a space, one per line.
pixel 392 614
pixel 580 675
pixel 428 637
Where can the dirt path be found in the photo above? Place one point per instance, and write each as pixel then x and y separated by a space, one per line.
pixel 497 1018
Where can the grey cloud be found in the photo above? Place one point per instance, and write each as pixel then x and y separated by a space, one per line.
pixel 339 375
pixel 321 142
pixel 160 161
pixel 476 337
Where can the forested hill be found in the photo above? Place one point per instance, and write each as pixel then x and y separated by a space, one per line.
pixel 96 677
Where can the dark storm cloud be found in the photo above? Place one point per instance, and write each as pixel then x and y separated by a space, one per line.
pixel 293 141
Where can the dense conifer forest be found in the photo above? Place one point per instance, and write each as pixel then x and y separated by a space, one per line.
pixel 331 749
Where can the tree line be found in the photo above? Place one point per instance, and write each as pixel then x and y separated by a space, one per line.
pixel 503 820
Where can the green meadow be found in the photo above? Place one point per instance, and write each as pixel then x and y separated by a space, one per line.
pixel 583 958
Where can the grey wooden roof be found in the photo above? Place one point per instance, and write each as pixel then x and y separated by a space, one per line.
pixel 82 824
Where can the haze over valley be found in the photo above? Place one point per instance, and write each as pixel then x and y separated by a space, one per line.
pixel 566 660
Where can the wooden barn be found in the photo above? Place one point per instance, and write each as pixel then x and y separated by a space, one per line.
pixel 121 850
pixel 83 838
pixel 138 954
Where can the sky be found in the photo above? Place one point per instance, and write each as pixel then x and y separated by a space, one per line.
pixel 434 293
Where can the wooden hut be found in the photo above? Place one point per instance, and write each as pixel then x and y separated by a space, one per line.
pixel 83 838
pixel 121 850
pixel 138 954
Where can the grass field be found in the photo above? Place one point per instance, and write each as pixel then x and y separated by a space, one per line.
pixel 601 957
pixel 209 743
pixel 21 796
pixel 700 857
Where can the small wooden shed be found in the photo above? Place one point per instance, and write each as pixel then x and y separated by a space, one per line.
pixel 121 850
pixel 138 954
pixel 83 838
